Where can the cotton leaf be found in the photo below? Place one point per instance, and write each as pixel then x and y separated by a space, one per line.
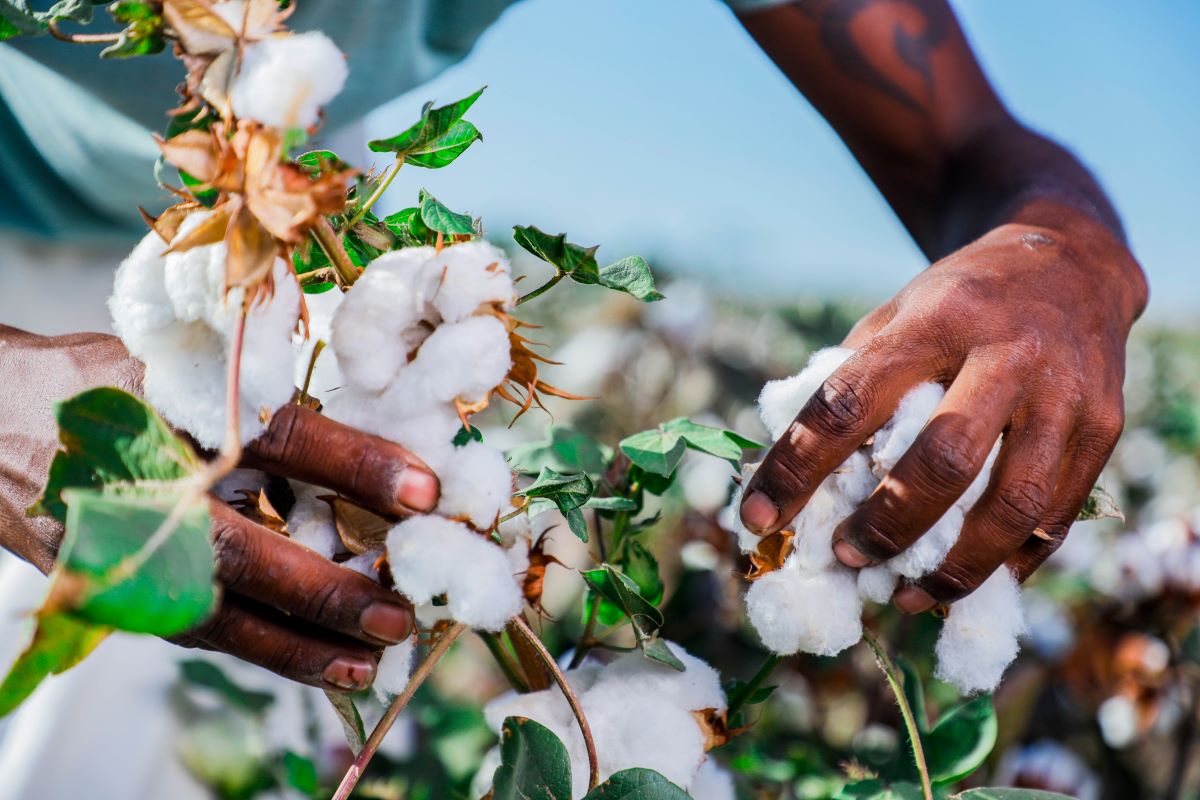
pixel 434 124
pixel 1100 505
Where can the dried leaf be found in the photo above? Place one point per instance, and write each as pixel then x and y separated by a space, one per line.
pixel 200 29
pixel 772 551
pixel 1100 505
pixel 359 529
pixel 252 250
pixel 257 507
pixel 535 576
pixel 195 152
pixel 166 224
pixel 715 727
pixel 210 231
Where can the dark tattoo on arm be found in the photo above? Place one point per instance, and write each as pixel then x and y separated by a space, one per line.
pixel 835 19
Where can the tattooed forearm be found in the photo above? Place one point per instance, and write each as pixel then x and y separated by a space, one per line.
pixel 835 20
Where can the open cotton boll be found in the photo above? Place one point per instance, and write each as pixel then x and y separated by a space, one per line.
pixel 819 613
pixel 698 687
pixel 468 275
pixel 463 360
pixel 731 515
pixel 364 564
pixel 928 552
pixel 285 80
pixel 781 400
pixel 431 555
pixel 633 729
pixel 377 325
pixel 712 782
pixel 310 522
pixel 877 583
pixel 898 434
pixel 395 667
pixel 813 543
pixel 476 484
pixel 854 480
pixel 979 637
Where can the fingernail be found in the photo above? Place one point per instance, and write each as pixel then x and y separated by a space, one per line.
pixel 758 512
pixel 349 673
pixel 850 555
pixel 913 600
pixel 417 489
pixel 387 622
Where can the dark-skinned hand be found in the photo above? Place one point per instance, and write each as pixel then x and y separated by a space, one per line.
pixel 1026 328
pixel 284 606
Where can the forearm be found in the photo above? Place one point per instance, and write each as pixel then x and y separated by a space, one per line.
pixel 38 372
pixel 899 83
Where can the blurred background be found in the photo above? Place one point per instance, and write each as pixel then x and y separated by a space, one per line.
pixel 624 123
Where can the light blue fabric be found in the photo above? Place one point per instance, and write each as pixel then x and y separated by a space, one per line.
pixel 76 158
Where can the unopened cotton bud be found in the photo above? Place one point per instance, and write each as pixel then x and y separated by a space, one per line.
pixel 285 80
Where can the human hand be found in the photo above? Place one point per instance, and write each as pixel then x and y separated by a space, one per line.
pixel 1026 327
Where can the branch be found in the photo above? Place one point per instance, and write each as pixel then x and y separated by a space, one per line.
pixel 519 624
pixel 373 198
pixel 331 243
pixel 352 776
pixel 741 698
pixel 82 38
pixel 545 287
pixel 910 723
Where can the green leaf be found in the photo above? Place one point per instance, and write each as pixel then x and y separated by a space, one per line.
pixel 74 10
pixel 715 441
pixel 533 763
pixel 631 275
pixel 142 34
pixel 408 226
pixel 20 20
pixel 442 220
pixel 445 149
pixel 110 436
pixel 299 773
pixel 567 492
pixel 108 577
pixel 657 650
pixel 1004 793
pixel 433 125
pixel 577 523
pixel 319 162
pixel 564 450
pixel 208 675
pixel 567 258
pixel 619 589
pixel 467 435
pixel 914 692
pixel 961 740
pixel 611 504
pixel 874 789
pixel 1100 505
pixel 657 450
pixel 734 687
pixel 642 568
pixel 637 784
pixel 352 724
pixel 60 641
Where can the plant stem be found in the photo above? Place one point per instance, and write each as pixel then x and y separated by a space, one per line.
pixel 545 287
pixel 82 38
pixel 373 198
pixel 352 776
pixel 506 662
pixel 910 724
pixel 588 640
pixel 331 243
pixel 519 624
pixel 740 699
pixel 312 365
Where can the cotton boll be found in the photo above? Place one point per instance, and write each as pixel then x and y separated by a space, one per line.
pixel 547 707
pixel 712 782
pixel 468 275
pixel 782 400
pixel 285 80
pixel 430 556
pixel 817 613
pixel 853 480
pixel 641 730
pixel 364 564
pixel 462 360
pixel 813 544
pixel 395 666
pixel 377 324
pixel 476 484
pixel 253 26
pixel 971 496
pixel 310 522
pixel 876 583
pixel 898 434
pixel 928 552
pixel 698 687
pixel 731 516
pixel 979 637
pixel 139 304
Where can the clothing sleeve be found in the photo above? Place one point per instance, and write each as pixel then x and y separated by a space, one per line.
pixel 743 6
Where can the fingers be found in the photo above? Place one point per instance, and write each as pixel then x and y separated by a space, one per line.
pixel 1089 454
pixel 851 405
pixel 260 564
pixel 265 637
pixel 370 470
pixel 1018 495
pixel 934 472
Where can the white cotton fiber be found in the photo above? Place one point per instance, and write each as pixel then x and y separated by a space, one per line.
pixel 712 782
pixel 819 613
pixel 876 583
pixel 462 360
pixel 979 637
pixel 395 666
pixel 285 80
pixel 732 516
pixel 327 376
pixel 310 522
pixel 813 545
pixel 468 275
pixel 697 687
pixel 928 552
pixel 378 324
pixel 653 733
pixel 853 480
pixel 364 564
pixel 782 400
pixel 430 556
pixel 476 485
pixel 898 434
pixel 174 315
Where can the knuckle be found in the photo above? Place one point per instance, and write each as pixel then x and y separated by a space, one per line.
pixel 287 659
pixel 951 582
pixel 876 536
pixel 840 407
pixel 790 471
pixel 235 553
pixel 323 607
pixel 947 460
pixel 280 440
pixel 1020 505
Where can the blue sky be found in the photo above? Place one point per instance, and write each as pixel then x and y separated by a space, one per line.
pixel 660 128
